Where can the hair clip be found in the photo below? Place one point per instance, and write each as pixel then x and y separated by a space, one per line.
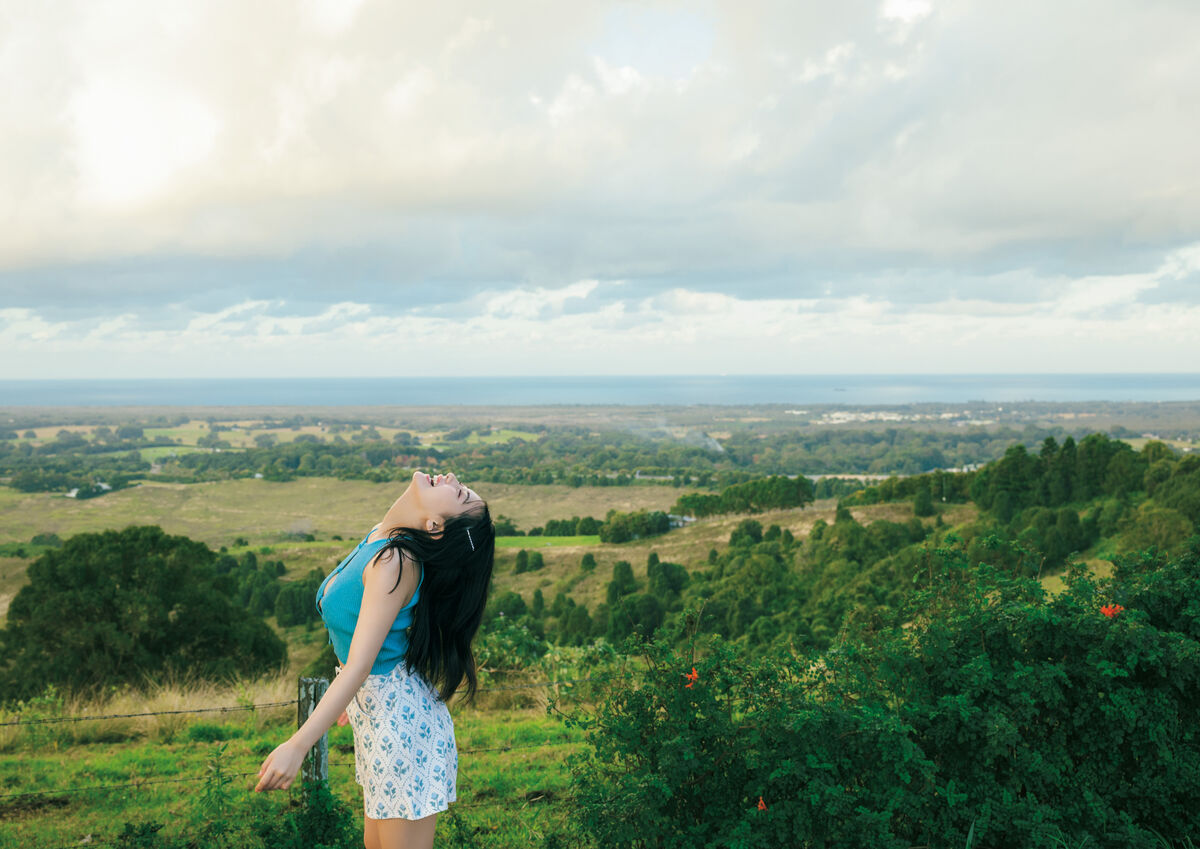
pixel 470 540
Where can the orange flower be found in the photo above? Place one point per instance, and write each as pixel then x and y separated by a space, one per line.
pixel 762 806
pixel 1111 610
pixel 691 677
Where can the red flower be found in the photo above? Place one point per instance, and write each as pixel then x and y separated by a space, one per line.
pixel 1111 610
pixel 762 806
pixel 691 677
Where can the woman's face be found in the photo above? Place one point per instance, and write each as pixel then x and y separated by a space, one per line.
pixel 442 496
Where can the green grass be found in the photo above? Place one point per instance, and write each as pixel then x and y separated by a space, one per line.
pixel 545 542
pixel 501 436
pixel 264 513
pixel 493 786
pixel 221 511
pixel 158 452
pixel 188 433
pixel 153 453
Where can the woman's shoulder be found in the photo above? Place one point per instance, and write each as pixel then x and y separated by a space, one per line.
pixel 387 564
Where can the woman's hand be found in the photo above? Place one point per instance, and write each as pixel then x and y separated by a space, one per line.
pixel 343 719
pixel 279 770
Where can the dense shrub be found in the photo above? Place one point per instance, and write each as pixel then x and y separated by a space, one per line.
pixel 623 527
pixel 771 493
pixel 1029 721
pixel 119 605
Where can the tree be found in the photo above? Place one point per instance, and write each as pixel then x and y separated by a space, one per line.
pixel 666 580
pixel 622 582
pixel 622 527
pixel 748 532
pixel 923 504
pixel 140 603
pixel 509 604
pixel 637 614
pixel 293 604
pixel 577 629
pixel 506 528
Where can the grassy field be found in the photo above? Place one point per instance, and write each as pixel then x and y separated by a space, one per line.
pixel 512 781
pixel 507 798
pixel 546 542
pixel 514 795
pixel 241 433
pixel 266 513
pixel 501 435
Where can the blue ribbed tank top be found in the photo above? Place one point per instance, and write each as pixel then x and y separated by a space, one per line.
pixel 340 603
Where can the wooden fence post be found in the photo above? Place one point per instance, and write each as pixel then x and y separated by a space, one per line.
pixel 316 762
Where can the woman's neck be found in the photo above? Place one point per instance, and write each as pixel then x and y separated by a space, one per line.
pixel 403 513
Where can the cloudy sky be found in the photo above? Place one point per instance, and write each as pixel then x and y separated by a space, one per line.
pixel 330 187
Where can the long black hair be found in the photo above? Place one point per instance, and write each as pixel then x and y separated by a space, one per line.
pixel 457 572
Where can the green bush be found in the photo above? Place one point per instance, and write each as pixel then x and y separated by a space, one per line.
pixel 999 713
pixel 141 603
pixel 222 815
pixel 507 644
pixel 623 527
pixel 682 762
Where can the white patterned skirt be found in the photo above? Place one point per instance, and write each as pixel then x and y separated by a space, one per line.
pixel 405 757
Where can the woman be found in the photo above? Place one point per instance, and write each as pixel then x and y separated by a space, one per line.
pixel 402 610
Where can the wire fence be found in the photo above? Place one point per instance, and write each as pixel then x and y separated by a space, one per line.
pixel 230 709
pixel 535 797
pixel 55 719
pixel 531 798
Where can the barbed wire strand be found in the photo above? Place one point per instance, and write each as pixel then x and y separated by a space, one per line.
pixel 57 719
pixel 60 719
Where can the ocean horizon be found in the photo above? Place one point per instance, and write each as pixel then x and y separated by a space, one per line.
pixel 632 390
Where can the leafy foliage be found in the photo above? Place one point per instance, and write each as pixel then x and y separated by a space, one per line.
pixel 770 493
pixel 115 606
pixel 1019 720
pixel 623 527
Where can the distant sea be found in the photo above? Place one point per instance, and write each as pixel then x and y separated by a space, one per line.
pixel 857 389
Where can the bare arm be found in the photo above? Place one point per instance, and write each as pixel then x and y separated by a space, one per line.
pixel 375 618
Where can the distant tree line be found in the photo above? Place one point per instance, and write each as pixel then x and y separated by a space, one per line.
pixel 623 527
pixel 771 493
pixel 575 526
pixel 565 455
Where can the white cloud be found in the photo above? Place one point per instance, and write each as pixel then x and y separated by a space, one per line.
pixel 905 10
pixel 331 17
pixel 591 326
pixel 206 126
pixel 728 160
pixel 131 137
pixel 536 303
pixel 831 64
pixel 617 81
